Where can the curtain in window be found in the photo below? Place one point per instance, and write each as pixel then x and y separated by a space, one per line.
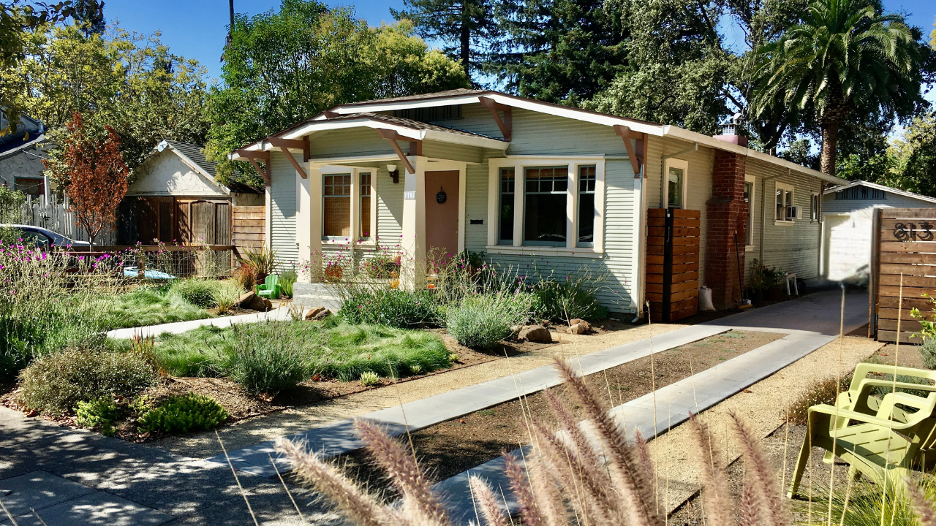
pixel 337 205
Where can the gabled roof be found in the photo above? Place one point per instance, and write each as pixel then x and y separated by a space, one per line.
pixel 406 123
pixel 881 187
pixel 468 96
pixel 193 155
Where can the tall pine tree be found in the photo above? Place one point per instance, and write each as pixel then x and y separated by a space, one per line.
pixel 465 27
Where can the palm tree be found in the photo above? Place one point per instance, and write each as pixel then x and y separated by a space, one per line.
pixel 844 57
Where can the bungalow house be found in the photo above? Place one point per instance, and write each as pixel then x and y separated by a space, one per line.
pixel 515 178
pixel 21 155
pixel 174 197
pixel 847 224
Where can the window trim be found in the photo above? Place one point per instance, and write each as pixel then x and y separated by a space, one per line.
pixel 815 207
pixel 355 207
pixel 749 242
pixel 664 187
pixel 519 164
pixel 786 187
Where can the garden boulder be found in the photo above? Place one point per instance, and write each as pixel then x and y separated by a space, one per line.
pixel 312 314
pixel 577 326
pixel 246 299
pixel 259 304
pixel 535 333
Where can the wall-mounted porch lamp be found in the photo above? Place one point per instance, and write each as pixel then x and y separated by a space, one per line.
pixel 394 174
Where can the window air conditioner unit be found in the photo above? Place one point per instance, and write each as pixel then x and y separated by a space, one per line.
pixel 794 212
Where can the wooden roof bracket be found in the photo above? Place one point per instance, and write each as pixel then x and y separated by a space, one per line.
pixel 252 156
pixel 636 155
pixel 286 144
pixel 506 123
pixel 392 137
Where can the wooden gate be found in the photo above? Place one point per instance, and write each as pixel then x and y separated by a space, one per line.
pixel 673 263
pixel 904 252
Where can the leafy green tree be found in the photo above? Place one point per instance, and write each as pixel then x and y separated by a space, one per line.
pixel 845 58
pixel 127 81
pixel 914 155
pixel 284 67
pixel 465 27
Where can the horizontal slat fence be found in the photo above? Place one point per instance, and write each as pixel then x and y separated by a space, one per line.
pixel 904 268
pixel 673 240
pixel 248 227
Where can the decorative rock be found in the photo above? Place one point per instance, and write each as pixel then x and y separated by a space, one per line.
pixel 310 314
pixel 322 315
pixel 586 327
pixel 577 328
pixel 535 333
pixel 246 299
pixel 515 332
pixel 259 304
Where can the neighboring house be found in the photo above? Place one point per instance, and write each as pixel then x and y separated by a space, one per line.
pixel 524 178
pixel 21 155
pixel 175 198
pixel 848 213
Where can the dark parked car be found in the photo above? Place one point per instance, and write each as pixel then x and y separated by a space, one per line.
pixel 41 237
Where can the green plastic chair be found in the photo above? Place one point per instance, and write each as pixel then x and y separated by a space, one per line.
pixel 873 435
pixel 270 288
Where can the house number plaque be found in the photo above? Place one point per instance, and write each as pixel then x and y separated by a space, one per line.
pixel 910 232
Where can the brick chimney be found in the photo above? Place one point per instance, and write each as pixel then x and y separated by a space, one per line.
pixel 726 214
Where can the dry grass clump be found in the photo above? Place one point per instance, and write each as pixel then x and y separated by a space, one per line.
pixel 580 473
pixel 822 392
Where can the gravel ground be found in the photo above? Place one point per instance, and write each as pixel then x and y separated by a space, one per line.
pixel 761 406
pixel 296 419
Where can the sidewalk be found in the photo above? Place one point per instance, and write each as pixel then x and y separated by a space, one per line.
pixel 178 327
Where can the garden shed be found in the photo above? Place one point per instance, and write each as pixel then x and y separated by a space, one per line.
pixel 175 198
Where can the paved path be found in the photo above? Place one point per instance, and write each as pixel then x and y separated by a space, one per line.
pixel 809 326
pixel 178 327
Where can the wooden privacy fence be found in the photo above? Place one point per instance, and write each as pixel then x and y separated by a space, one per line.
pixel 53 215
pixel 247 229
pixel 904 252
pixel 673 263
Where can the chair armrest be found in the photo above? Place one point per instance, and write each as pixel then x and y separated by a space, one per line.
pixel 863 369
pixel 860 417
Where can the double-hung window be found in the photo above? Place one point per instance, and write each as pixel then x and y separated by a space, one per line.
pixel 554 206
pixel 546 192
pixel 783 199
pixel 348 205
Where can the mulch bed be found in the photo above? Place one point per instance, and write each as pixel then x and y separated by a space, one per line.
pixel 451 447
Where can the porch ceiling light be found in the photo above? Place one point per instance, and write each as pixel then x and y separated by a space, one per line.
pixel 394 174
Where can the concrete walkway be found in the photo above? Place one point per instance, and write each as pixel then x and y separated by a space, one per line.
pixel 808 325
pixel 806 320
pixel 178 327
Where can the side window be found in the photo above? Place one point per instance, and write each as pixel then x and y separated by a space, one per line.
pixel 586 206
pixel 784 200
pixel 506 199
pixel 749 199
pixel 675 183
pixel 814 208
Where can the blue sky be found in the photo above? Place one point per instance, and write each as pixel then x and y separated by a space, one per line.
pixel 196 28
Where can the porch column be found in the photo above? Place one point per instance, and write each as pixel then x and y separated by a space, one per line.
pixel 309 223
pixel 413 243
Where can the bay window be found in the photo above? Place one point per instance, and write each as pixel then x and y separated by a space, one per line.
pixel 553 206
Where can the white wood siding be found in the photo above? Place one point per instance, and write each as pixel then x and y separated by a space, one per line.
pixel 283 209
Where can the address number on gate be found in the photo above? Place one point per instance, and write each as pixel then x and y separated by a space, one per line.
pixel 910 232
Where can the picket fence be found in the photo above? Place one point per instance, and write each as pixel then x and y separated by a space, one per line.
pixel 54 216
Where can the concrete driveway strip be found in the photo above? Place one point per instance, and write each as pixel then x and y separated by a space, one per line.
pixel 339 438
pixel 672 404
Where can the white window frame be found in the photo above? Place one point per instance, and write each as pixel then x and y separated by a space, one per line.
pixel 749 242
pixel 664 188
pixel 786 187
pixel 355 205
pixel 519 164
pixel 815 207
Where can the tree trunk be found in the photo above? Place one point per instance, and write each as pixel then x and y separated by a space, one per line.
pixel 829 145
pixel 465 40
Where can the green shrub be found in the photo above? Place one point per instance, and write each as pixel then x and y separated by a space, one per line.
pixel 561 300
pixel 184 413
pixel 928 353
pixel 387 306
pixel 481 321
pixel 864 503
pixel 226 295
pixel 198 292
pixel 369 378
pixel 98 413
pixel 270 357
pixel 286 280
pixel 145 306
pixel 822 392
pixel 56 383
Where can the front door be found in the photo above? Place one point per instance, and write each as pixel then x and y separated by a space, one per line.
pixel 442 214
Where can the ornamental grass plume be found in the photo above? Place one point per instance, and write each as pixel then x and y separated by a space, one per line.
pixel 581 473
